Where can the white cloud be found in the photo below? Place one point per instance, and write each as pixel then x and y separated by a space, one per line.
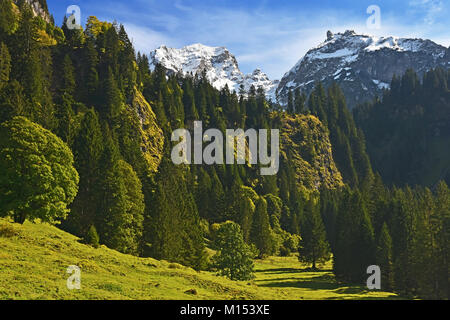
pixel 145 39
pixel 432 9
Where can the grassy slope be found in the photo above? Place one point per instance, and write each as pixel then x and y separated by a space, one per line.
pixel 34 258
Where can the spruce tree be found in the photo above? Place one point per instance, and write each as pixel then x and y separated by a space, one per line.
pixel 174 231
pixel 261 233
pixel 88 149
pixel 384 259
pixel 122 209
pixel 5 65
pixel 314 247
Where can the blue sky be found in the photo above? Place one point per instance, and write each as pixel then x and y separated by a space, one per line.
pixel 268 34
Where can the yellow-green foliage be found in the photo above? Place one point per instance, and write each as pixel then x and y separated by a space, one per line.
pixel 305 141
pixel 94 26
pixel 34 260
pixel 152 136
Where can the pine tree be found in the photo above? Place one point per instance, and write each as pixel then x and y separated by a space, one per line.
pixel 12 101
pixel 384 259
pixel 355 245
pixel 261 233
pixel 174 231
pixel 440 232
pixel 299 101
pixel 247 210
pixel 190 109
pixel 219 211
pixel 314 247
pixel 290 103
pixel 112 104
pixel 88 149
pixel 91 85
pixel 5 65
pixel 122 209
pixel 68 77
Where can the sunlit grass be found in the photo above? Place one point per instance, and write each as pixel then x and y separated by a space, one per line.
pixel 34 259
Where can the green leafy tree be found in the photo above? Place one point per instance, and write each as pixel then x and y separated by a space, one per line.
pixel 234 258
pixel 37 177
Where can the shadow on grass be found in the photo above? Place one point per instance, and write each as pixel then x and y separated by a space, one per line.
pixel 292 270
pixel 351 290
pixel 320 282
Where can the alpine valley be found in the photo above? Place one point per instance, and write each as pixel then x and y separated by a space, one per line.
pixel 89 184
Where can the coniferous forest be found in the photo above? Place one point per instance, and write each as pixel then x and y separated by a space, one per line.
pixel 85 144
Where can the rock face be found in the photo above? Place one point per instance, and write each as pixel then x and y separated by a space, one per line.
pixel 39 8
pixel 362 65
pixel 220 66
pixel 305 141
pixel 152 143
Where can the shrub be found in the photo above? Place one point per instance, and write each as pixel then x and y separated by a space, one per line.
pixel 92 237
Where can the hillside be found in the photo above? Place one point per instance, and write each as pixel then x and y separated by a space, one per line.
pixel 34 259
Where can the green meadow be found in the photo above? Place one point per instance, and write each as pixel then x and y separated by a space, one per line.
pixel 34 259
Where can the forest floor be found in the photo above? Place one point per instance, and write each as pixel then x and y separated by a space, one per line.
pixel 34 259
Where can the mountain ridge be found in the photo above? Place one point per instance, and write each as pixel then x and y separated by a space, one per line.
pixel 221 67
pixel 363 65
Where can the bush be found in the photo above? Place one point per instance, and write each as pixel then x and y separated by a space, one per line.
pixel 92 237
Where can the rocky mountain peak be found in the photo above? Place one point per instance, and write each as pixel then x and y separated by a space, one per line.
pixel 219 65
pixel 363 65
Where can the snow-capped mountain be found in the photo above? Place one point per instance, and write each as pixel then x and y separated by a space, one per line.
pixel 220 66
pixel 362 65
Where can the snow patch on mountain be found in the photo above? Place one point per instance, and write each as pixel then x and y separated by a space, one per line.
pixel 363 65
pixel 219 65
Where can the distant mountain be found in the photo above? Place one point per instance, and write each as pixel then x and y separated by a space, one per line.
pixel 220 66
pixel 362 65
